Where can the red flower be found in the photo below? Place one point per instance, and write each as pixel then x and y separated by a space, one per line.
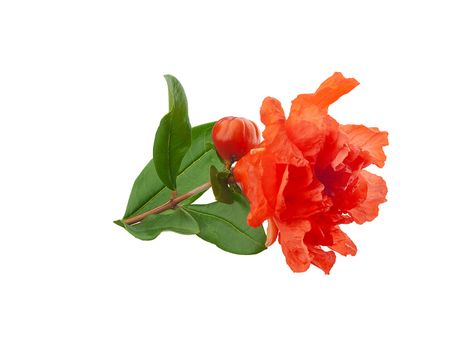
pixel 307 177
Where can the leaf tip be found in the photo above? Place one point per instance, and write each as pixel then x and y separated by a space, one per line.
pixel 169 78
pixel 119 223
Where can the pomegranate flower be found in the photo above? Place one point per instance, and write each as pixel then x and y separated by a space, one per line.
pixel 307 177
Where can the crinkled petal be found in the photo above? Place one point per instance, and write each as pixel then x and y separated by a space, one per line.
pixel 328 92
pixel 333 88
pixel 272 175
pixel 308 124
pixel 273 116
pixel 320 235
pixel 249 173
pixel 322 259
pixel 291 239
pixel 275 136
pixel 368 209
pixel 369 140
pixel 300 194
pixel 280 199
pixel 351 196
pixel 286 152
pixel 342 243
pixel 272 232
pixel 320 232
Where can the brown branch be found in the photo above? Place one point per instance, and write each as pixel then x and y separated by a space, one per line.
pixel 172 203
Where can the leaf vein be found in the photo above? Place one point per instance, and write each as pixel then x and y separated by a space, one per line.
pixel 228 222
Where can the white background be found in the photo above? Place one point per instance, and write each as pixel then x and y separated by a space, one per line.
pixel 81 95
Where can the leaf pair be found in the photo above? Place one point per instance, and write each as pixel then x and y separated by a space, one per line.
pixel 182 159
pixel 149 191
pixel 218 223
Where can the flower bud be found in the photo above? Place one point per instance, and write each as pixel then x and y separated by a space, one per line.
pixel 233 137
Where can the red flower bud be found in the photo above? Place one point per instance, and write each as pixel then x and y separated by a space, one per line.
pixel 234 137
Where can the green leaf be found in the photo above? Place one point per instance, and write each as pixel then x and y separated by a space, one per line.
pixel 177 220
pixel 225 225
pixel 173 137
pixel 149 191
pixel 219 184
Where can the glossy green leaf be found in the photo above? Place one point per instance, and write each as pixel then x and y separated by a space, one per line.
pixel 177 220
pixel 219 184
pixel 149 191
pixel 225 225
pixel 173 137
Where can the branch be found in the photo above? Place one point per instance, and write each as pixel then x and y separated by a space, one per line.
pixel 172 203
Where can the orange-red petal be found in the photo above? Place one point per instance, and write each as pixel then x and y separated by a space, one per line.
pixel 291 239
pixel 249 173
pixel 370 140
pixel 273 116
pixel 333 88
pixel 300 194
pixel 322 259
pixel 328 92
pixel 342 243
pixel 272 232
pixel 308 124
pixel 320 235
pixel 376 194
pixel 275 135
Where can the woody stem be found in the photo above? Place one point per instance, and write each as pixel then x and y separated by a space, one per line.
pixel 172 203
